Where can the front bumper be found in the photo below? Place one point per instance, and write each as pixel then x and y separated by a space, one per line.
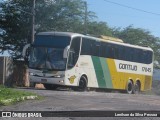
pixel 45 80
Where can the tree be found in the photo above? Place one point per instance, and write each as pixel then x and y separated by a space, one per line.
pixel 16 25
pixel 51 15
pixel 61 15
pixel 99 28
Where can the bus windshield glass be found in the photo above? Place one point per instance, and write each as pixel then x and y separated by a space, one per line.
pixel 47 52
pixel 52 41
pixel 47 58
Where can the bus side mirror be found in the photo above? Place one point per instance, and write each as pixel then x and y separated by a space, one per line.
pixel 25 52
pixel 65 53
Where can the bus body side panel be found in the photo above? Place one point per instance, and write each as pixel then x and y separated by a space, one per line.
pixel 122 71
pixel 102 72
pixel 114 74
pixel 84 66
pixel 109 73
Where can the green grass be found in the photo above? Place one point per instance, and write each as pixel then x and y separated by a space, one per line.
pixel 10 96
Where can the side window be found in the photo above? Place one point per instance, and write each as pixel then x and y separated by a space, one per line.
pixel 128 54
pixel 140 54
pixel 131 56
pixel 86 47
pixel 103 50
pixel 116 52
pixel 74 52
pixel 144 56
pixel 121 50
pixel 95 48
pixel 149 57
pixel 110 51
pixel 71 60
pixel 135 56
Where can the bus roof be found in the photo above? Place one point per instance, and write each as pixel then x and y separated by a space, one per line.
pixel 70 34
pixel 120 43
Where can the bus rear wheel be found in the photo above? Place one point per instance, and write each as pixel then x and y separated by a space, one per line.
pixel 50 86
pixel 137 88
pixel 130 87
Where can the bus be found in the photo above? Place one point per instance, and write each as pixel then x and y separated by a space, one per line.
pixel 82 61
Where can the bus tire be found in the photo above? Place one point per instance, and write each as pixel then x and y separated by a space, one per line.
pixel 82 84
pixel 50 86
pixel 130 87
pixel 137 88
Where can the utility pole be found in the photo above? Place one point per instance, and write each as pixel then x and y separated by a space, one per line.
pixel 33 21
pixel 85 19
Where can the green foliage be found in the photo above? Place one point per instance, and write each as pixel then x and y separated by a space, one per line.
pixel 16 25
pixel 61 15
pixel 50 15
pixel 99 28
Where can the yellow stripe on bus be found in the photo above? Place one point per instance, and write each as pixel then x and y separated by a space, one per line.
pixel 120 79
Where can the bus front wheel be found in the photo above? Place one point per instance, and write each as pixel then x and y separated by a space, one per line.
pixel 82 84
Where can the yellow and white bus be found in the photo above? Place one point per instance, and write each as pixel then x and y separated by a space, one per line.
pixel 80 61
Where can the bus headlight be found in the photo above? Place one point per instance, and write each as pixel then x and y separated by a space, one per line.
pixel 59 76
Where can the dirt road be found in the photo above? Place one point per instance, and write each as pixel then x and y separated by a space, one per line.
pixel 63 100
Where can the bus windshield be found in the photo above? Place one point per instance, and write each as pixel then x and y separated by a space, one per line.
pixel 47 58
pixel 52 41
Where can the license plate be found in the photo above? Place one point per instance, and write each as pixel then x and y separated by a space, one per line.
pixel 43 80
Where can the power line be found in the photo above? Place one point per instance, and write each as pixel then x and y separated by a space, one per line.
pixel 140 10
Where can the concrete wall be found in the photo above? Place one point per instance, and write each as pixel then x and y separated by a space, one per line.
pixel 13 73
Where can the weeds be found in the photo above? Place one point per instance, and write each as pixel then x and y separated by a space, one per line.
pixel 10 96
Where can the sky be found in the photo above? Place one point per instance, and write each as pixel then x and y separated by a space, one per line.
pixel 120 16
